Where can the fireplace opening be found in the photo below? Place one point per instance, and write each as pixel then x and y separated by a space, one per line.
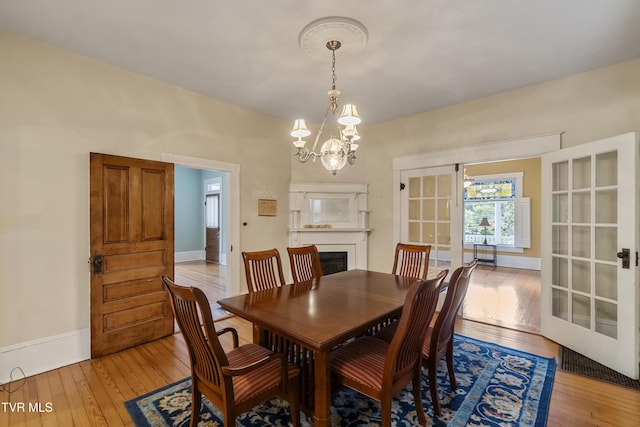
pixel 333 262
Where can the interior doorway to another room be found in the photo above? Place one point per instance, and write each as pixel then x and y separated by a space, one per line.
pixel 502 218
pixel 201 230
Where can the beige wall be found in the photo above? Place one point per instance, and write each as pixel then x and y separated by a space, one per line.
pixel 56 107
pixel 530 188
pixel 586 107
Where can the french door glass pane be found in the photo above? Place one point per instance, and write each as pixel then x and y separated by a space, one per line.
pixel 606 281
pixel 560 236
pixel 560 181
pixel 560 208
pixel 414 232
pixel 581 173
pixel 581 276
pixel 606 243
pixel 444 209
pixel 581 310
pixel 429 186
pixel 429 233
pixel 606 207
pixel 607 169
pixel 560 304
pixel 581 207
pixel 581 241
pixel 560 274
pixel 414 209
pixel 606 318
pixel 429 210
pixel 414 187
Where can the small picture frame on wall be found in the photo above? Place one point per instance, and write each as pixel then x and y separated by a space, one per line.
pixel 266 207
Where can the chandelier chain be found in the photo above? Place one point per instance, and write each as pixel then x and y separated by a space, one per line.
pixel 333 69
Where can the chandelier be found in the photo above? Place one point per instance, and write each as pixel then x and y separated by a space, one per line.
pixel 341 144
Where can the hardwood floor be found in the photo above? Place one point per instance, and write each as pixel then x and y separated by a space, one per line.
pixel 507 297
pixel 93 392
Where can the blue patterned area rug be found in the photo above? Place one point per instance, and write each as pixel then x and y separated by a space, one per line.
pixel 497 386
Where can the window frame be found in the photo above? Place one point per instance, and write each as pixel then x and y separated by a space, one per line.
pixel 519 179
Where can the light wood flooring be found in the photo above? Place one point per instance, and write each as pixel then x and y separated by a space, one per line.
pixel 507 297
pixel 93 392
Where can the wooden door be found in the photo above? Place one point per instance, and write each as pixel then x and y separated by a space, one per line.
pixel 590 220
pixel 212 224
pixel 132 247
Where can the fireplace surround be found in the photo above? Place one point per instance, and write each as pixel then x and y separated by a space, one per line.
pixel 332 216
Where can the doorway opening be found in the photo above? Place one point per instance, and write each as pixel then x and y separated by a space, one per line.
pixel 200 230
pixel 220 279
pixel 501 211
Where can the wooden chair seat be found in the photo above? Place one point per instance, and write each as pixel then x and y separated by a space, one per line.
pixel 363 363
pixel 268 376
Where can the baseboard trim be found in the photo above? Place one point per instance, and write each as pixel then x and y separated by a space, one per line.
pixel 189 256
pixel 44 354
pixel 526 263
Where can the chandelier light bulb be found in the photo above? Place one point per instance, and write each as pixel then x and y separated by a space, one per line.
pixel 333 155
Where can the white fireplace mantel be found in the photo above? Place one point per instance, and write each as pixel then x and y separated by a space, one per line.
pixel 332 216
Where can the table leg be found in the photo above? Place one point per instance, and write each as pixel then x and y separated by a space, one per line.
pixel 322 389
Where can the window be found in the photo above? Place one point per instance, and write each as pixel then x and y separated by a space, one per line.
pixel 497 198
pixel 212 211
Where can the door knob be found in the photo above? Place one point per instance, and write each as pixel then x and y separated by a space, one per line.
pixel 624 256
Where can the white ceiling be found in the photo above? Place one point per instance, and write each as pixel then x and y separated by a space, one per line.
pixel 421 54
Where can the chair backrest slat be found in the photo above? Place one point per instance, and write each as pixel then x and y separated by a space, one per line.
pixel 443 329
pixel 419 307
pixel 305 263
pixel 193 315
pixel 411 260
pixel 263 270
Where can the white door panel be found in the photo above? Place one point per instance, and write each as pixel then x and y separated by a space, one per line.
pixel 431 214
pixel 589 215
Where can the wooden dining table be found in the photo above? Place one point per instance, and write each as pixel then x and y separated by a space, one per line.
pixel 307 320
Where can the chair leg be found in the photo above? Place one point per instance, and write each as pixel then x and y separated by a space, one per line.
pixel 230 416
pixel 417 396
pixel 452 375
pixel 385 411
pixel 196 404
pixel 433 385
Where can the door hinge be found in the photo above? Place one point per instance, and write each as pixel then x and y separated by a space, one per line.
pixel 636 258
pixel 402 186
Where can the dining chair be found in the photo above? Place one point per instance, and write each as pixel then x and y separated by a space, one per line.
pixel 234 381
pixel 439 338
pixel 263 270
pixel 305 263
pixel 411 260
pixel 381 369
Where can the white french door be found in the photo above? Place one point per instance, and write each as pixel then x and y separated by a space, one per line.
pixel 590 243
pixel 431 215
